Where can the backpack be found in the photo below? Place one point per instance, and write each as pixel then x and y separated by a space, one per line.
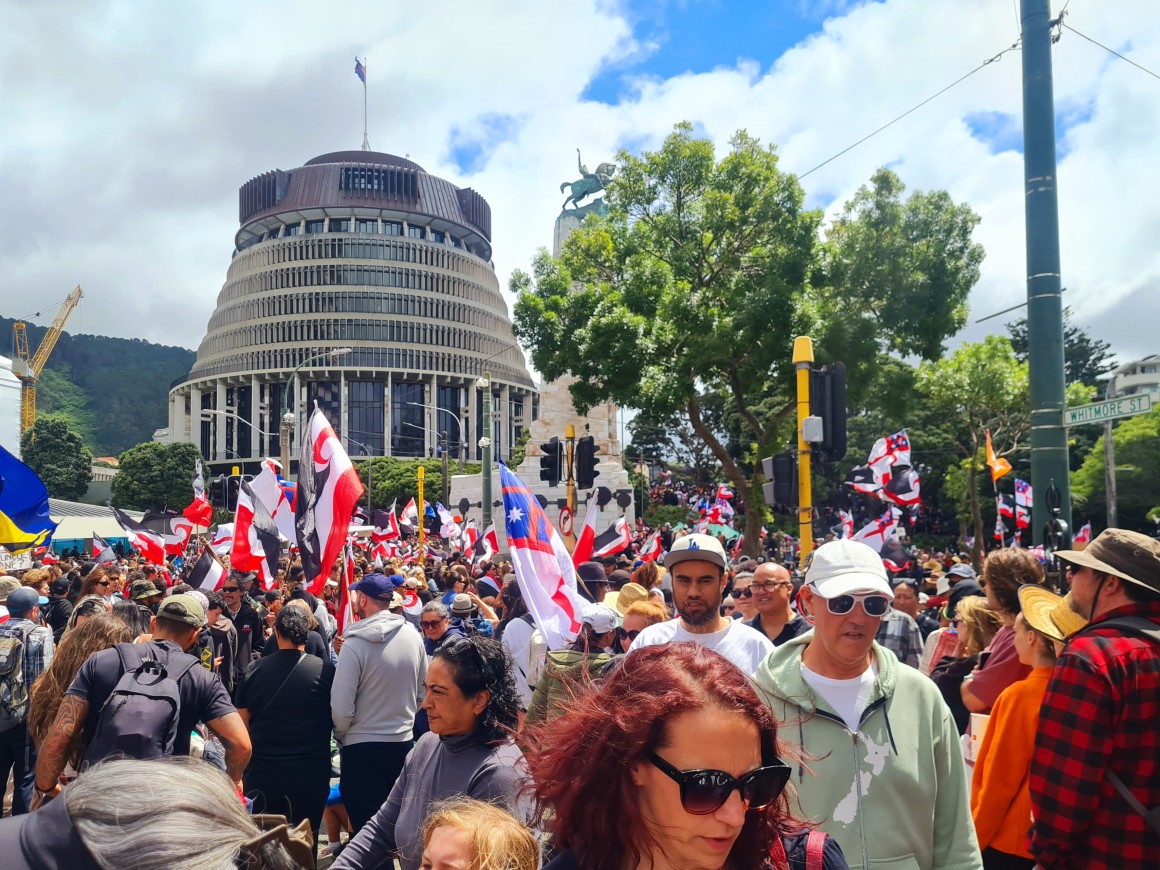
pixel 13 692
pixel 139 718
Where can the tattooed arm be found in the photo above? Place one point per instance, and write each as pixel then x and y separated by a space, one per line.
pixel 55 749
pixel 231 731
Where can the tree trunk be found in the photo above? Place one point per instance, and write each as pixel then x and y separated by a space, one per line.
pixel 976 517
pixel 754 513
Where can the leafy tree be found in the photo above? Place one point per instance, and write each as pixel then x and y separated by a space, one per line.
pixel 520 448
pixel 155 476
pixel 985 387
pixel 57 453
pixel 893 280
pixel 397 480
pixel 689 293
pixel 1137 443
pixel 1086 360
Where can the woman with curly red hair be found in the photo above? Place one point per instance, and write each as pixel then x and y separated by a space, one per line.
pixel 670 762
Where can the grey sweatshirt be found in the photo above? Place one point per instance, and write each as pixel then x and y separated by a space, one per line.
pixel 437 768
pixel 378 681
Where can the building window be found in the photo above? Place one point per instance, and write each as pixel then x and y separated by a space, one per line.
pixel 408 435
pixel 393 228
pixel 318 226
pixel 414 232
pixel 340 225
pixel 437 236
pixel 364 225
pixel 365 400
pixel 292 229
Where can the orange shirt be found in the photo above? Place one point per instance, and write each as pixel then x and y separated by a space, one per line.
pixel 1000 800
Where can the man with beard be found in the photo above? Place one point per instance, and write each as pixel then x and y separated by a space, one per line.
pixel 696 564
pixel 375 696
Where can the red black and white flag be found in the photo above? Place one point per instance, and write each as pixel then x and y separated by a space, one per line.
pixel 894 557
pixel 208 573
pixel 1005 506
pixel 879 531
pixel 346 615
pixel 615 539
pixel 903 488
pixel 586 540
pixel 386 526
pixel 257 545
pixel 890 451
pixel 409 519
pixel 470 535
pixel 200 511
pixel 724 492
pixel 865 479
pixel 102 552
pixel 268 488
pixel 486 546
pixel 173 527
pixel 847 524
pixel 328 490
pixel 652 548
pixel 146 541
pixel 1084 535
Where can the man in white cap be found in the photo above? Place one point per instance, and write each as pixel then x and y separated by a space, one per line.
pixel 885 771
pixel 696 564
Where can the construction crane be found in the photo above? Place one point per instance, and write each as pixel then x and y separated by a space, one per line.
pixel 29 369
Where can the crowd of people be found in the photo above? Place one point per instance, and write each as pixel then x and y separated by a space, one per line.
pixel 712 711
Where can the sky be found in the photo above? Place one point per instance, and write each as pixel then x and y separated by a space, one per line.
pixel 126 129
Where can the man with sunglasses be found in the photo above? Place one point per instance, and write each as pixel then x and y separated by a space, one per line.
pixel 886 776
pixel 696 564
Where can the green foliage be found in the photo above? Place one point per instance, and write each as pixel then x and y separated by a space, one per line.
pixel 1086 360
pixel 520 448
pixel 893 279
pixel 56 452
pixel 155 476
pixel 1137 449
pixel 115 390
pixel 658 515
pixel 979 387
pixel 397 480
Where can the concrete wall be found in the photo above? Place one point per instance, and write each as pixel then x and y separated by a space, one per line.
pixel 9 408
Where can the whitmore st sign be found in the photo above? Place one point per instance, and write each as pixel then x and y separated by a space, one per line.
pixel 1112 409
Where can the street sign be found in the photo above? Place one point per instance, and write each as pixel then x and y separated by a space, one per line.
pixel 1111 409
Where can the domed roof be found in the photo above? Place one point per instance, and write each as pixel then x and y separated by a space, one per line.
pixel 376 158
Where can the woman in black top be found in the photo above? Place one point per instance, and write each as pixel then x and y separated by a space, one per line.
pixel 284 699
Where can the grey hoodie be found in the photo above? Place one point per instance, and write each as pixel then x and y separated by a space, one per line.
pixel 378 682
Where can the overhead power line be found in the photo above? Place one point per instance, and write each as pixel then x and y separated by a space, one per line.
pixel 1110 51
pixel 913 109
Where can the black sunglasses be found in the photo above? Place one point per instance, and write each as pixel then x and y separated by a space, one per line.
pixel 743 593
pixel 631 635
pixel 704 791
pixel 231 589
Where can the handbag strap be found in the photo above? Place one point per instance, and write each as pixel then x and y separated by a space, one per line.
pixel 1151 817
pixel 277 691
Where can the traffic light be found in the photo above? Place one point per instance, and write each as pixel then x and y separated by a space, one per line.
pixel 781 485
pixel 586 472
pixel 828 401
pixel 217 491
pixel 552 462
pixel 233 487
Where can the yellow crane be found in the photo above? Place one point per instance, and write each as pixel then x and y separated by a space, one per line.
pixel 29 369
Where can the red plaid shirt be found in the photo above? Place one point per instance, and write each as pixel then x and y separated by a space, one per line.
pixel 1101 711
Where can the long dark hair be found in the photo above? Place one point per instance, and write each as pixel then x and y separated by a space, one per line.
pixel 581 760
pixel 514 606
pixel 479 664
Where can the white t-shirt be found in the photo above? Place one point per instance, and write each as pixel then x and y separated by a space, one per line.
pixel 517 640
pixel 739 643
pixel 848 697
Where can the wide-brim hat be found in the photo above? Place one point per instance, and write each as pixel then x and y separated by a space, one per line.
pixel 1049 614
pixel 622 599
pixel 1131 556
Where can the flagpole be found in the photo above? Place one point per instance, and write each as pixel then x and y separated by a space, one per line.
pixel 366 146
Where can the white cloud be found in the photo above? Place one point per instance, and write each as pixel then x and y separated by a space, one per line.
pixel 128 129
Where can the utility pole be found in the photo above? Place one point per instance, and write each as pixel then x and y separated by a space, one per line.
pixel 570 442
pixel 803 355
pixel 484 384
pixel 1049 462
pixel 443 438
pixel 421 473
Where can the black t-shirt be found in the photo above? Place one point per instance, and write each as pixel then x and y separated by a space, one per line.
pixel 315 646
pixel 795 627
pixel 203 697
pixel 292 722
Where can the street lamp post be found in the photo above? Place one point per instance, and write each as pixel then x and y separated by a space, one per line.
pixel 370 470
pixel 458 422
pixel 287 429
pixel 240 419
pixel 484 384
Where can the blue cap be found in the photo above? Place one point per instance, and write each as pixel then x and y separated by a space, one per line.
pixel 397 580
pixel 375 586
pixel 21 601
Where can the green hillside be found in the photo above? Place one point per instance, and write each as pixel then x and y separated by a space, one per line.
pixel 114 390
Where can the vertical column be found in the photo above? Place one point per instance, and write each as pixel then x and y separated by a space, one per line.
pixel 472 415
pixel 177 431
pixel 342 408
pixel 387 416
pixel 429 428
pixel 172 425
pixel 298 403
pixel 220 422
pixel 503 446
pixel 257 445
pixel 195 420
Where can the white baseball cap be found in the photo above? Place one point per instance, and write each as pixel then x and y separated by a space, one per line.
pixel 846 567
pixel 703 548
pixel 602 618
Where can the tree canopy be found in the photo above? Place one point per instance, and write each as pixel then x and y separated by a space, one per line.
pixel 689 293
pixel 58 454
pixel 155 476
pixel 1137 443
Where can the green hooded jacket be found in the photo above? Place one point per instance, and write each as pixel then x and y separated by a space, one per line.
pixel 910 808
pixel 565 672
